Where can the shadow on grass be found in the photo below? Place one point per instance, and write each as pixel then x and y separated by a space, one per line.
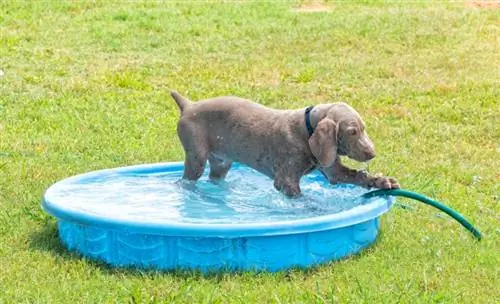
pixel 47 240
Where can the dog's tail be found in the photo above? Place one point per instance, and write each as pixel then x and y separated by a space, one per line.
pixel 181 101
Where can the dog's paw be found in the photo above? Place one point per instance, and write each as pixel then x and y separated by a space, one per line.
pixel 383 182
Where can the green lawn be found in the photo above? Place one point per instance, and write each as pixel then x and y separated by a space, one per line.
pixel 86 86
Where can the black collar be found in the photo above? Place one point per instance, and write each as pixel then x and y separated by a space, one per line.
pixel 309 127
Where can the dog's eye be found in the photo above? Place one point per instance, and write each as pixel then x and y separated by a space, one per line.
pixel 352 131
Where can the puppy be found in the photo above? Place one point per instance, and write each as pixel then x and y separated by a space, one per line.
pixel 282 144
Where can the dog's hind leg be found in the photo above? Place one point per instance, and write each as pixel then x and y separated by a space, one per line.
pixel 218 167
pixel 195 149
pixel 194 165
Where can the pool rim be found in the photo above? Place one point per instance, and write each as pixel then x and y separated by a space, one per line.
pixel 373 209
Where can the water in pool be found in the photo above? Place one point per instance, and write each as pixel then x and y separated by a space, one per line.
pixel 245 196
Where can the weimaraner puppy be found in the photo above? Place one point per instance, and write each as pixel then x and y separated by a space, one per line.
pixel 282 144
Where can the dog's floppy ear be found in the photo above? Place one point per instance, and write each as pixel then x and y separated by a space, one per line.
pixel 323 142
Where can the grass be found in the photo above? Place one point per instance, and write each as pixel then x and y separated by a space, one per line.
pixel 85 86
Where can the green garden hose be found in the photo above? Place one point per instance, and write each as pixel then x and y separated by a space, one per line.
pixel 405 193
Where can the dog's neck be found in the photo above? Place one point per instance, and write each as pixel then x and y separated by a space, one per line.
pixel 307 119
pixel 315 114
pixel 309 116
pixel 318 112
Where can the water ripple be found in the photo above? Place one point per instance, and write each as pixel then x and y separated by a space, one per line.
pixel 244 197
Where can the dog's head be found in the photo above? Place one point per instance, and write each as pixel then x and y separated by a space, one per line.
pixel 340 131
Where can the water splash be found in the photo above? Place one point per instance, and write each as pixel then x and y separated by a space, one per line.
pixel 246 196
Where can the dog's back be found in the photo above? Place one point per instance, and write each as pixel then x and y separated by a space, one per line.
pixel 229 128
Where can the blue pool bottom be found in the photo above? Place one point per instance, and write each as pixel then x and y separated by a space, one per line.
pixel 264 253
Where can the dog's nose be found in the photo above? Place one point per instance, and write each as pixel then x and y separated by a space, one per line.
pixel 370 155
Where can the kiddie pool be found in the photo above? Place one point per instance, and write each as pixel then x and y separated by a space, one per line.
pixel 145 216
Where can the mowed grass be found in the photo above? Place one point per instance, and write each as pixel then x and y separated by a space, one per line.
pixel 85 85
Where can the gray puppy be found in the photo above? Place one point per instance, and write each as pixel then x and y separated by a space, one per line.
pixel 282 144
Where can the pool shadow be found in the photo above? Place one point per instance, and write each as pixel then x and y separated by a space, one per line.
pixel 47 240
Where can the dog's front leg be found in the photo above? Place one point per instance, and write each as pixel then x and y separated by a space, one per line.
pixel 339 173
pixel 287 185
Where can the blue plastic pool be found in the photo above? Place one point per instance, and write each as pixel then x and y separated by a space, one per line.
pixel 145 216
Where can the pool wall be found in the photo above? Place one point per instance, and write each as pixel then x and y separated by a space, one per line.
pixel 259 253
